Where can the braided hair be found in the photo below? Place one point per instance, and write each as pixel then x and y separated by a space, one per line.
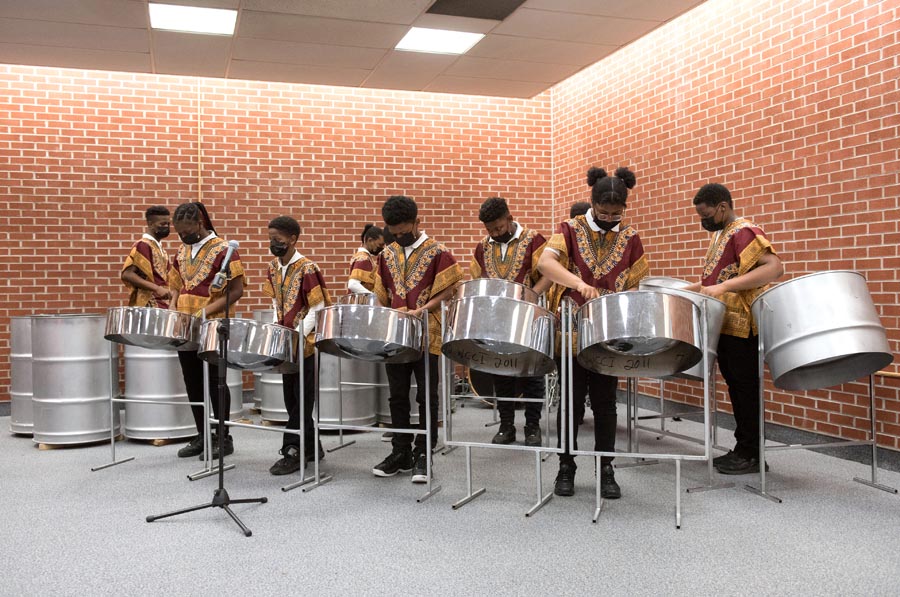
pixel 193 212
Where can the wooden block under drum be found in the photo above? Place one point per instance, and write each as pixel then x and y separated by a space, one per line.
pixel 267 423
pixel 42 446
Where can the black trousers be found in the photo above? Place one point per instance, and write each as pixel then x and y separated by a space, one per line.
pixel 527 387
pixel 192 371
pixel 739 364
pixel 399 376
pixel 291 387
pixel 602 391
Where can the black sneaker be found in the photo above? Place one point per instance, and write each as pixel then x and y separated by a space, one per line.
pixel 229 447
pixel 724 458
pixel 506 434
pixel 193 448
pixel 420 468
pixel 289 464
pixel 609 489
pixel 386 437
pixel 396 462
pixel 532 435
pixel 565 480
pixel 741 466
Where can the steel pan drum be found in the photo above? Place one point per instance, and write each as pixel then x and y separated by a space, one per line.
pixel 21 412
pixel 252 345
pixel 156 329
pixel 499 333
pixel 715 316
pixel 821 330
pixel 496 287
pixel 369 333
pixel 643 333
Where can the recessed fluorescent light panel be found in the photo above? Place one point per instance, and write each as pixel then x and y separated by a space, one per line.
pixel 193 19
pixel 438 41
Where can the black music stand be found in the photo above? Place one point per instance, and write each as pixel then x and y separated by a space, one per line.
pixel 220 499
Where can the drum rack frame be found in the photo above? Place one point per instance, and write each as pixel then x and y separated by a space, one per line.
pixel 872 441
pixel 539 451
pixel 568 356
pixel 317 480
pixel 209 469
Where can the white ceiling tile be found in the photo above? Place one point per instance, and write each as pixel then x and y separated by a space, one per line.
pixel 73 35
pixel 75 58
pixel 185 53
pixel 513 70
pixel 651 10
pixel 115 13
pixel 229 4
pixel 264 50
pixel 496 87
pixel 296 73
pixel 296 28
pixel 450 23
pixel 379 11
pixel 539 50
pixel 408 70
pixel 545 24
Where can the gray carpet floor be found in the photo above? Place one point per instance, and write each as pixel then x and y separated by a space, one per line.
pixel 70 531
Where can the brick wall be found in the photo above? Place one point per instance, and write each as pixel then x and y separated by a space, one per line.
pixel 793 105
pixel 83 154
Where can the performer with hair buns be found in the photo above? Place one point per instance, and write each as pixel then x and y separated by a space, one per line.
pixel 146 269
pixel 365 260
pixel 194 269
pixel 511 252
pixel 740 263
pixel 414 273
pixel 297 289
pixel 594 254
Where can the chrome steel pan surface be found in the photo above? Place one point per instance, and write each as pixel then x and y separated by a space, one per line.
pixel 156 329
pixel 495 287
pixel 641 333
pixel 252 345
pixel 500 335
pixel 821 330
pixel 369 333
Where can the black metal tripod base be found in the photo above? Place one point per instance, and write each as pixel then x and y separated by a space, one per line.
pixel 220 499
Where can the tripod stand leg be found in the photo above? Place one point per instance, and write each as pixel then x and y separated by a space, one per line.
pixel 247 532
pixel 177 512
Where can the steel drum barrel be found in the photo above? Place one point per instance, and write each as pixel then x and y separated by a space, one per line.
pixel 234 379
pixel 21 411
pixel 155 375
pixel 640 333
pixel 821 330
pixel 358 407
pixel 715 316
pixel 74 372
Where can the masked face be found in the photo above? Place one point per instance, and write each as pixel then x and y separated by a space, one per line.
pixel 503 238
pixel 405 234
pixel 159 226
pixel 278 249
pixel 606 216
pixel 190 238
pixel 375 246
pixel 189 232
pixel 502 229
pixel 709 222
pixel 407 239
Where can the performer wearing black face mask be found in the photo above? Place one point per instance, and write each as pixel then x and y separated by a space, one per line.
pixel 511 252
pixel 297 289
pixel 146 269
pixel 194 269
pixel 740 263
pixel 364 261
pixel 595 254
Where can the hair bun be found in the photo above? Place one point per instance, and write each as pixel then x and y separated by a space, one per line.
pixel 595 174
pixel 366 227
pixel 627 176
